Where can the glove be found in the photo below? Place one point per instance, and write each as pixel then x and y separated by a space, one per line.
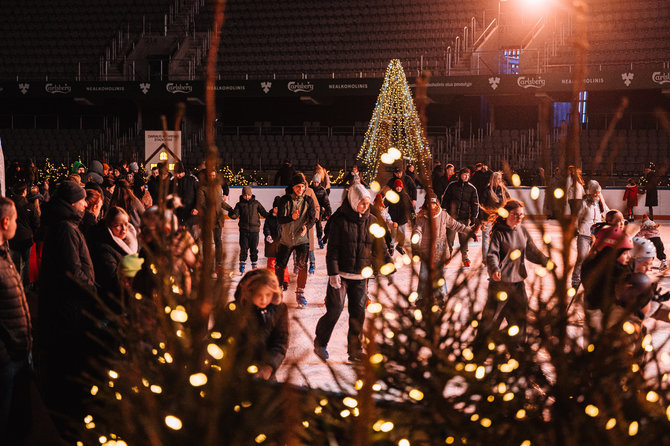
pixel 269 239
pixel 335 281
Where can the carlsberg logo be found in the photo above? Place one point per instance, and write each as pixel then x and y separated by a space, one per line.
pixel 173 88
pixel 660 78
pixel 530 82
pixel 58 88
pixel 297 87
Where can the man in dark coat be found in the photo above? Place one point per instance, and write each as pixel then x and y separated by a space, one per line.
pixel 460 199
pixel 249 211
pixel 284 174
pixel 351 249
pixel 153 184
pixel 296 215
pixel 186 186
pixel 651 190
pixel 15 338
pixel 67 286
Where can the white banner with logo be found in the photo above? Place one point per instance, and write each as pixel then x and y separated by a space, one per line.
pixel 162 147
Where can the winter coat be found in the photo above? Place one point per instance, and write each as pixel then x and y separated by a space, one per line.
pixel 187 189
pixel 651 190
pixel 630 196
pixel 590 214
pixel 323 201
pixel 648 230
pixel 88 221
pixel 271 228
pixel 504 241
pixel 291 229
pixel 264 339
pixel 440 183
pixel 460 199
pixel 27 224
pixel 15 325
pixel 249 213
pixel 480 180
pixel 284 175
pixel 443 221
pixel 67 275
pixel 491 200
pixel 219 208
pixel 351 246
pixel 153 185
pixel 106 255
pixel 408 184
pixel 400 212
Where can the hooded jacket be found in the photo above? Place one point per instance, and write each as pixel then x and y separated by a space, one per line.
pixel 460 199
pixel 291 229
pixel 401 211
pixel 504 241
pixel 351 246
pixel 249 212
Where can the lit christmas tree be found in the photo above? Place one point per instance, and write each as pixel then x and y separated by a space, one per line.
pixel 395 124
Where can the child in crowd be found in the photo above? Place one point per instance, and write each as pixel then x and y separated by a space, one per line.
pixel 248 210
pixel 400 215
pixel 272 236
pixel 649 230
pixel 613 217
pixel 630 196
pixel 265 331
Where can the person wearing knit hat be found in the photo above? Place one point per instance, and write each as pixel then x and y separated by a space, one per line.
pixel 134 167
pixel 249 211
pixel 591 212
pixel 323 201
pixel 461 201
pixel 296 215
pixel 397 184
pixel 407 183
pixel 71 193
pixel 351 249
pixel 401 212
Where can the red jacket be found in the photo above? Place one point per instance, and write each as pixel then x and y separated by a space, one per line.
pixel 631 195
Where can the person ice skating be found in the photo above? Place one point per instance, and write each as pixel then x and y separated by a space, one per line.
pixel 408 184
pixel 272 236
pixel 650 231
pixel 650 190
pixel 592 212
pixel 324 204
pixel 460 199
pixel 351 249
pixel 248 210
pixel 510 245
pixel 264 336
pixel 400 213
pixel 494 196
pixel 630 197
pixel 296 215
pixel 211 178
pixel 422 240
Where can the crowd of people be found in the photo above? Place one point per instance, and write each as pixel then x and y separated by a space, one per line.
pixel 97 233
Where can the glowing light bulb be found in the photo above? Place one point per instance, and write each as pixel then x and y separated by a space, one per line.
pixel 416 394
pixel 173 422
pixel 367 272
pixel 215 351
pixel 374 308
pixel 535 192
pixel 392 196
pixel 558 193
pixel 198 379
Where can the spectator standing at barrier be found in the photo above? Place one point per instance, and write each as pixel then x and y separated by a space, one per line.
pixel 15 339
pixel 630 197
pixel 351 248
pixel 27 225
pixel 296 215
pixel 249 211
pixel 592 212
pixel 408 184
pixel 650 190
pixel 67 287
pixel 186 186
pixel 460 199
pixel 574 189
pixel 284 174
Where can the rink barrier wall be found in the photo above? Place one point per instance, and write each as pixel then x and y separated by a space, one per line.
pixel 613 197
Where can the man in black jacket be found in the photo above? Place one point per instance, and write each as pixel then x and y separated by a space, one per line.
pixel 15 338
pixel 28 222
pixel 407 181
pixel 351 249
pixel 284 174
pixel 67 286
pixel 460 199
pixel 186 186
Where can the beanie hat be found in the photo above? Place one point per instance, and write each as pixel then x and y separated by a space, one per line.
pixel 317 178
pixel 76 165
pixel 134 167
pixel 70 192
pixel 593 187
pixel 297 179
pixel 356 194
pixel 397 183
pixel 246 190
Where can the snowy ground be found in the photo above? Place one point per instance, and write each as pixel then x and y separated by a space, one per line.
pixel 303 321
